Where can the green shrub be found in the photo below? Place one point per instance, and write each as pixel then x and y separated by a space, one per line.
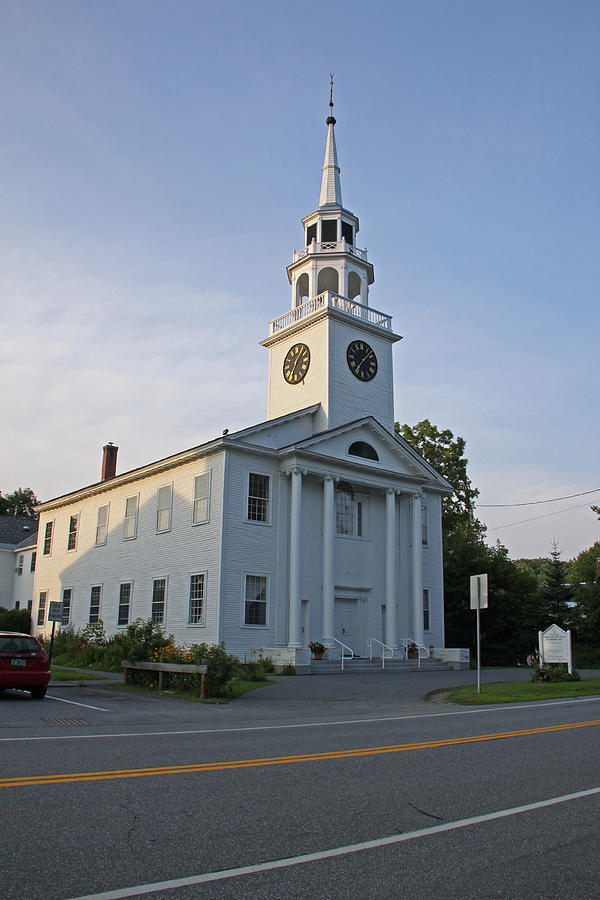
pixel 288 669
pixel 223 668
pixel 15 620
pixel 555 672
pixel 256 670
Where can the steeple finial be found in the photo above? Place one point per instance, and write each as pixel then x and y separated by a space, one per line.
pixel 330 118
pixel 331 190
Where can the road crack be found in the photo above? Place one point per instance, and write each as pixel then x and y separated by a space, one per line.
pixel 425 813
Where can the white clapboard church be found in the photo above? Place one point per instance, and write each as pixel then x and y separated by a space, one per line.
pixel 319 524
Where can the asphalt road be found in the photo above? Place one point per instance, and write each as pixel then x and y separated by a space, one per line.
pixel 330 788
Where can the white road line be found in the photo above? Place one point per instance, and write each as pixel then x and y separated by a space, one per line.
pixel 87 705
pixel 390 840
pixel 243 728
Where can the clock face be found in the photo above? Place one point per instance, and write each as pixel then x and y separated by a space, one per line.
pixel 361 360
pixel 296 363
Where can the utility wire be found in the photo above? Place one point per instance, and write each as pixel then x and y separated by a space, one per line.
pixel 545 516
pixel 535 502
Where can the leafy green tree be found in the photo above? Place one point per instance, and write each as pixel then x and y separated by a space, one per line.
pixel 586 566
pixel 446 454
pixel 508 626
pixel 19 503
pixel 537 565
pixel 585 576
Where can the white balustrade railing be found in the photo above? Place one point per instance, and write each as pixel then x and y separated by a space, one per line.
pixel 329 247
pixel 329 299
pixel 383 646
pixel 329 645
pixel 422 650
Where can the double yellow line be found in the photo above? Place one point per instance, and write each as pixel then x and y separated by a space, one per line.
pixel 68 777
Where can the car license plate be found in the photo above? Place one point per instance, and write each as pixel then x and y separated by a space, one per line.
pixel 18 662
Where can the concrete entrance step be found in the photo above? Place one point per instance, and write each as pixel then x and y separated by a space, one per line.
pixel 357 665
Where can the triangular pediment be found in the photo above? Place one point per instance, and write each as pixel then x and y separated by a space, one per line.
pixel 349 442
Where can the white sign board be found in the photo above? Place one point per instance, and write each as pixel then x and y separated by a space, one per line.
pixel 479 591
pixel 554 645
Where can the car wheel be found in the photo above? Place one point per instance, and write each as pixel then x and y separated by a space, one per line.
pixel 38 693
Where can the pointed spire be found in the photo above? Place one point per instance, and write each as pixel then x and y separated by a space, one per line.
pixel 331 189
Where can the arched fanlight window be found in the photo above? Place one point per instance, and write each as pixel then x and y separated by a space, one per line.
pixel 361 448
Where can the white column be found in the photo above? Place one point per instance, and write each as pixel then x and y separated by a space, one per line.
pixel 295 619
pixel 391 636
pixel 313 274
pixel 417 567
pixel 328 541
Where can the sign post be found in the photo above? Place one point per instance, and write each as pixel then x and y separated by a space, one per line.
pixel 479 600
pixel 54 616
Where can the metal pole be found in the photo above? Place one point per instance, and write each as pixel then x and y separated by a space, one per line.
pixel 478 638
pixel 51 645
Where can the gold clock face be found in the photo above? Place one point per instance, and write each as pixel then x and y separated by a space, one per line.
pixel 361 360
pixel 296 363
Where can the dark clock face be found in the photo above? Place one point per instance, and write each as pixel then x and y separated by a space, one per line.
pixel 296 363
pixel 361 360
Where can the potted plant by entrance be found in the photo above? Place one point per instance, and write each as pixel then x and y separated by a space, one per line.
pixel 413 650
pixel 317 649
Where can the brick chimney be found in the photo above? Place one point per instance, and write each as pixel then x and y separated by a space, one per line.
pixel 109 461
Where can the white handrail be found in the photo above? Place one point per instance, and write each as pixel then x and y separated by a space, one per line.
pixel 344 647
pixel 411 642
pixel 384 647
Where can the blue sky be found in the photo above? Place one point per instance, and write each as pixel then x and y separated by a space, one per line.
pixel 157 157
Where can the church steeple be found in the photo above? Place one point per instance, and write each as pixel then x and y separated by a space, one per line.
pixel 330 259
pixel 331 349
pixel 331 189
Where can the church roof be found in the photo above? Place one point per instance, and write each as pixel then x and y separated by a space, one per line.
pixel 331 188
pixel 15 530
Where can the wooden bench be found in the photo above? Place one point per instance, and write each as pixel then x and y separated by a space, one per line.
pixel 179 668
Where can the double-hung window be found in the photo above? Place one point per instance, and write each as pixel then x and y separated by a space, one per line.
pixel 95 600
pixel 197 592
pixel 424 531
pixel 102 526
pixel 131 518
pixel 159 596
pixel 73 528
pixel 41 617
pixel 164 502
pixel 426 611
pixel 201 499
pixel 349 511
pixel 19 569
pixel 66 606
pixel 124 603
pixel 258 497
pixel 32 563
pixel 48 538
pixel 255 600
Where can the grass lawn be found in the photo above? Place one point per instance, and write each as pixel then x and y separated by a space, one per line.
pixel 518 691
pixel 60 674
pixel 239 688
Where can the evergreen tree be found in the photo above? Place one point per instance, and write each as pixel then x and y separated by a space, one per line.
pixel 555 593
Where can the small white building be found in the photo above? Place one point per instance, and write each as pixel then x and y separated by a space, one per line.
pixel 319 524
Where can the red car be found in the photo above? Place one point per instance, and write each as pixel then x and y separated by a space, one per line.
pixel 24 664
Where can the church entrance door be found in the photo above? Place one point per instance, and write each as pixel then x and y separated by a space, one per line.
pixel 349 627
